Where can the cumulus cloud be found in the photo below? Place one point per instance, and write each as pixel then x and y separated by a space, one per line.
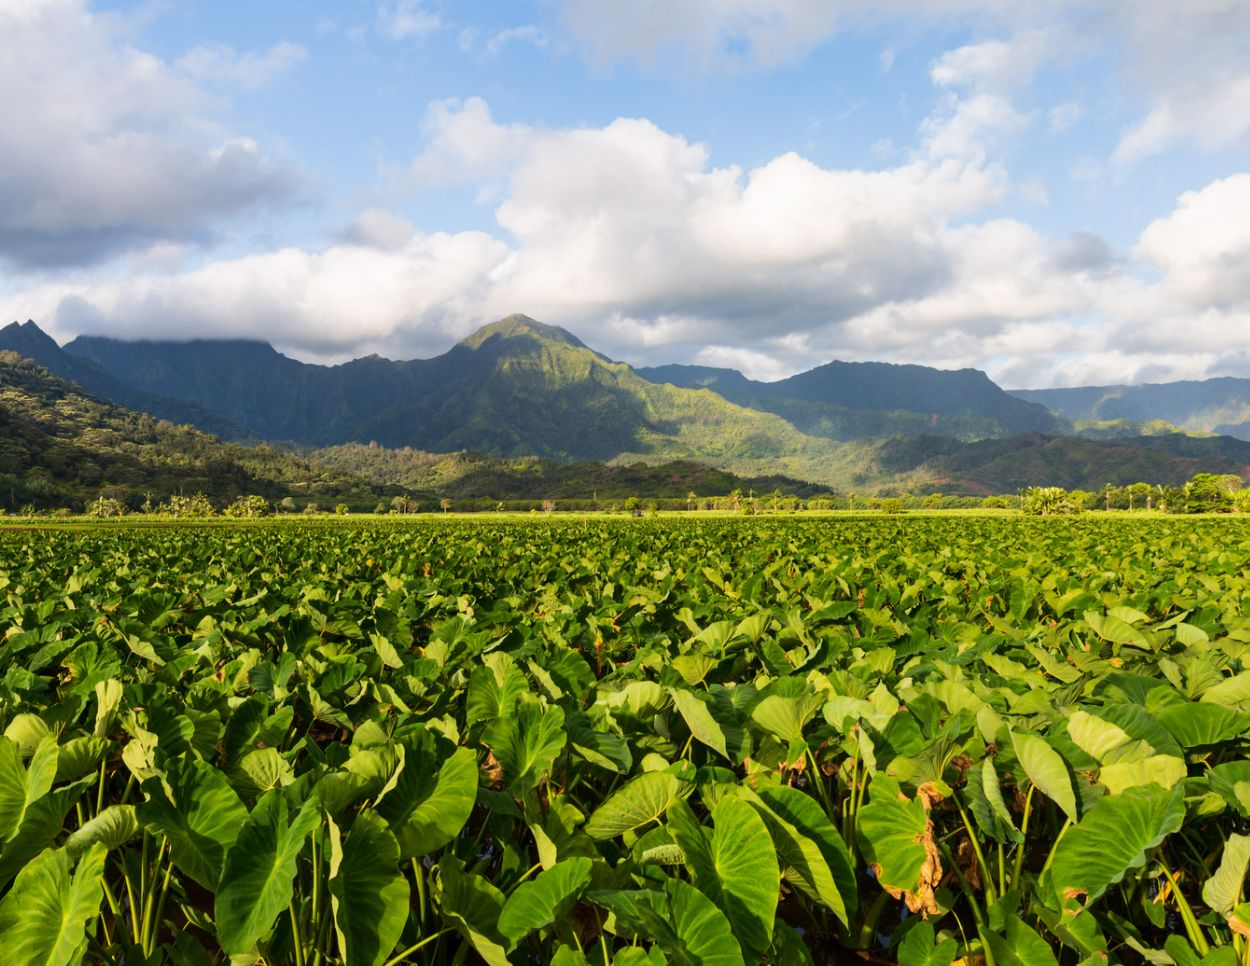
pixel 107 148
pixel 633 237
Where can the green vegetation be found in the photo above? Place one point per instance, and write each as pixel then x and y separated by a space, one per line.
pixel 61 448
pixel 580 741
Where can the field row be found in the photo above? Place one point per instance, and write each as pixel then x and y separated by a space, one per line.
pixel 717 741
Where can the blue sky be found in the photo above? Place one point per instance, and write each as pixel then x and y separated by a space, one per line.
pixel 1057 193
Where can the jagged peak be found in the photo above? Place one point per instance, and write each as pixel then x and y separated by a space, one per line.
pixel 521 326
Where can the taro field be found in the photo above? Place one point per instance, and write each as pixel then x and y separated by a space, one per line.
pixel 790 740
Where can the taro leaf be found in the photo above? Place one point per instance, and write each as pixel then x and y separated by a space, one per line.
pixel 113 827
pixel 785 716
pixel 1232 692
pixel 600 747
pixel 1195 724
pixel 1231 781
pixel 637 803
pixel 568 956
pixel 1113 838
pixel 1021 947
pixel 256 882
pixel 79 757
pixel 427 809
pixel 1096 736
pixel 368 894
pixel 1222 892
pixel 810 852
pixel 1115 630
pixel 21 786
pixel 40 827
pixel 537 904
pixel 702 930
pixel 736 868
pixel 712 722
pixel 201 824
pixel 985 795
pixel 1046 770
pixel 1165 770
pixel 526 743
pixel 45 916
pixel 919 947
pixel 897 840
pixel 804 815
pixel 474 907
pixel 494 687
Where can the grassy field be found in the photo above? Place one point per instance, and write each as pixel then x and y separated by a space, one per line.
pixel 686 739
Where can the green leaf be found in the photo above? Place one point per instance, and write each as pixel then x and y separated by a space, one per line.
pixel 427 809
pixel 494 687
pixel 1021 947
pixel 20 785
pixel 256 882
pixel 537 904
pixel 897 840
pixel 642 800
pixel 1195 724
pixel 695 712
pixel 1113 838
pixel 474 907
pixel 80 756
pixel 736 868
pixel 1222 892
pixel 920 948
pixel 1164 770
pixel 703 931
pixel 45 916
pixel 368 894
pixel 201 823
pixel 802 814
pixel 1046 769
pixel 112 828
pixel 526 743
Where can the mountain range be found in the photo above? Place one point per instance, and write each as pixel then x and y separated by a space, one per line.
pixel 518 389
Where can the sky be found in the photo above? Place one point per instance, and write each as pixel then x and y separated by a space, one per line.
pixel 1055 192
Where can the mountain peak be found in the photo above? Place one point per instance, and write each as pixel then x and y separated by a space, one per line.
pixel 26 335
pixel 518 326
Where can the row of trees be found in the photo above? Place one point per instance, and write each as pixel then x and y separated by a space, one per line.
pixel 1203 493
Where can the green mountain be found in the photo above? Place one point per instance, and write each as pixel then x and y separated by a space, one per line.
pixel 852 400
pixel 60 447
pixel 513 388
pixel 1207 406
pixel 31 342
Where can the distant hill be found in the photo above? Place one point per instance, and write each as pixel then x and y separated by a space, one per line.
pixel 853 400
pixel 1209 406
pixel 1033 459
pixel 61 448
pixel 473 476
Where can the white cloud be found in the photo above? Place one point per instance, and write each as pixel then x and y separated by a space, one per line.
pixel 247 69
pixel 107 147
pixel 406 19
pixel 635 239
pixel 1203 246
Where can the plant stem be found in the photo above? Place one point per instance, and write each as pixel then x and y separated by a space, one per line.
pixel 394 960
pixel 1192 928
pixel 297 943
